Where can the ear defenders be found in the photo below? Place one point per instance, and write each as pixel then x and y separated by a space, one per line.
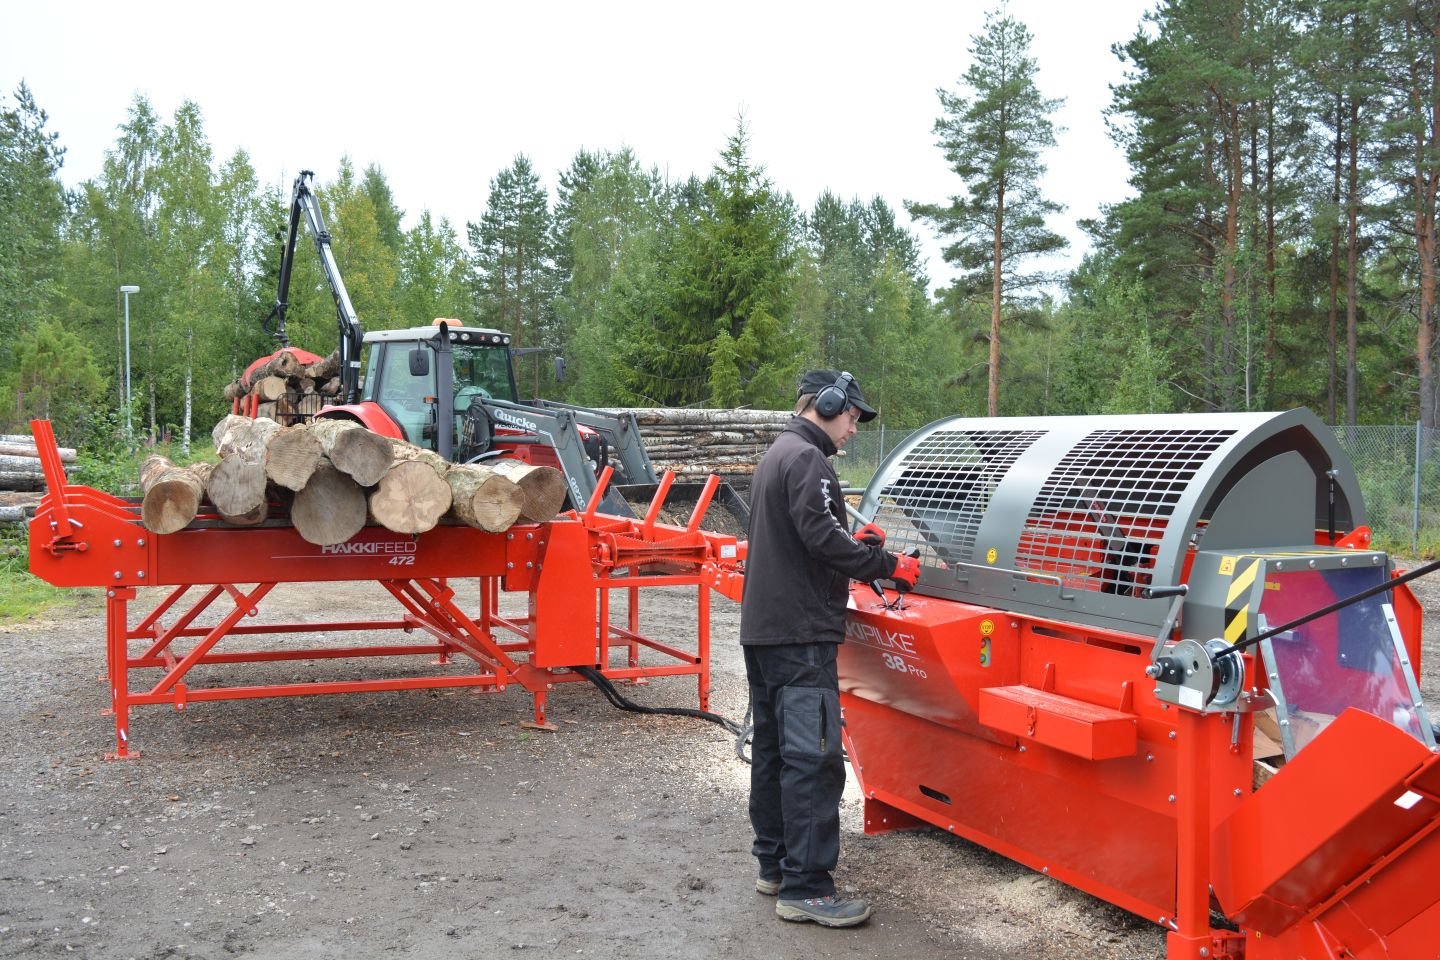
pixel 832 400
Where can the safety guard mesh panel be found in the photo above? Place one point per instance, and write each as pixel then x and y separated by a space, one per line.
pixel 942 487
pixel 1098 520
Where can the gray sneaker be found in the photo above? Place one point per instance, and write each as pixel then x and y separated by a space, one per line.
pixel 768 887
pixel 828 911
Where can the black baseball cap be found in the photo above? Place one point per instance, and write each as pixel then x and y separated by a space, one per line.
pixel 816 380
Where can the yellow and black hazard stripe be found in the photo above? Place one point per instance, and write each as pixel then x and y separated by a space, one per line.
pixel 1237 597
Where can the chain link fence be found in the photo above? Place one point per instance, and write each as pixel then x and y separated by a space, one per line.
pixel 1398 467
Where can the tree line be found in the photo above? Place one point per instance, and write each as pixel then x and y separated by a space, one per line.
pixel 1279 250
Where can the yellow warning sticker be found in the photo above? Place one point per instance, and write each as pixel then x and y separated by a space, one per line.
pixel 991 554
pixel 987 627
pixel 1227 566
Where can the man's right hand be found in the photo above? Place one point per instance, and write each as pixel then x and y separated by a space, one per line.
pixel 907 571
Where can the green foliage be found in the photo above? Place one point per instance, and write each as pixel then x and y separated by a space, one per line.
pixel 512 280
pixel 993 140
pixel 55 377
pixel 710 316
pixel 32 212
pixel 23 595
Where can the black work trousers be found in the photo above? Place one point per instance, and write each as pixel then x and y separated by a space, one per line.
pixel 797 771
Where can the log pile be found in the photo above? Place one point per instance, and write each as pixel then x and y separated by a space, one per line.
pixel 696 443
pixel 20 469
pixel 286 389
pixel 329 478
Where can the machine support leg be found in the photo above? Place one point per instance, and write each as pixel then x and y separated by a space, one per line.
pixel 1190 937
pixel 633 660
pixel 702 635
pixel 118 656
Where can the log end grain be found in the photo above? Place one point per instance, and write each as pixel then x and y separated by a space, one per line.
pixel 410 498
pixel 331 508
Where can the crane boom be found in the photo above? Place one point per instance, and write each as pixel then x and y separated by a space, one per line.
pixel 304 203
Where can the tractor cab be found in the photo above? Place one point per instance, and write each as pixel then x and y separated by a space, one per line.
pixel 405 372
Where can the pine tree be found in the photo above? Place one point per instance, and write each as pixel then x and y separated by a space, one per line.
pixel 993 139
pixel 1410 144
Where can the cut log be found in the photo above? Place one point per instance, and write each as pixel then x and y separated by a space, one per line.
pixel 270 388
pixel 291 457
pixel 11 449
pixel 410 498
pixel 265 411
pixel 237 486
pixel 172 494
pixel 365 456
pixel 20 465
pixel 544 488
pixel 330 388
pixel 325 369
pixel 244 437
pixel 483 498
pixel 11 480
pixel 331 508
pixel 283 364
pixel 252 519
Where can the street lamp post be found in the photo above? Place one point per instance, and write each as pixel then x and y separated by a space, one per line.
pixel 127 289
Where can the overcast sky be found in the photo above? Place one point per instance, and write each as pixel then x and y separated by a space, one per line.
pixel 836 95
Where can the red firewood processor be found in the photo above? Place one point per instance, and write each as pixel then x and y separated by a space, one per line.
pixel 1111 614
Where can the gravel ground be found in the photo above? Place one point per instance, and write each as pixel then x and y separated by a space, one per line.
pixel 432 824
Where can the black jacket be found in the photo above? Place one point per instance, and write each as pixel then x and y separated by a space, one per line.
pixel 801 558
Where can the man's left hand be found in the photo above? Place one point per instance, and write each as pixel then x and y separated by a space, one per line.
pixel 871 535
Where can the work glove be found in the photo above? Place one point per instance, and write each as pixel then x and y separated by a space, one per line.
pixel 907 571
pixel 871 535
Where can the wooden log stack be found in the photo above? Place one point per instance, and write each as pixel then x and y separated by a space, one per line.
pixel 20 469
pixel 330 478
pixel 695 443
pixel 22 479
pixel 286 389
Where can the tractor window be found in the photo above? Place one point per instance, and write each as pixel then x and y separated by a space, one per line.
pixel 482 372
pixel 401 395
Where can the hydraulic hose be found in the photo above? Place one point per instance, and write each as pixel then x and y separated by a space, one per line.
pixel 620 701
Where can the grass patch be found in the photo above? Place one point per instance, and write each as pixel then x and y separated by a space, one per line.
pixel 22 594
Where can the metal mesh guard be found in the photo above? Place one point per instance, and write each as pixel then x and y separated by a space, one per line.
pixel 1102 512
pixel 942 488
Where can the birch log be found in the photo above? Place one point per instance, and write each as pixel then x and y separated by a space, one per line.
pixel 14 449
pixel 237 435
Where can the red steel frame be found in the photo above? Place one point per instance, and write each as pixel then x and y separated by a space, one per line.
pixel 1045 742
pixel 567 568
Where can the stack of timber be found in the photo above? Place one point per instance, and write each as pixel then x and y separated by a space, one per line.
pixel 22 480
pixel 287 389
pixel 696 443
pixel 330 478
